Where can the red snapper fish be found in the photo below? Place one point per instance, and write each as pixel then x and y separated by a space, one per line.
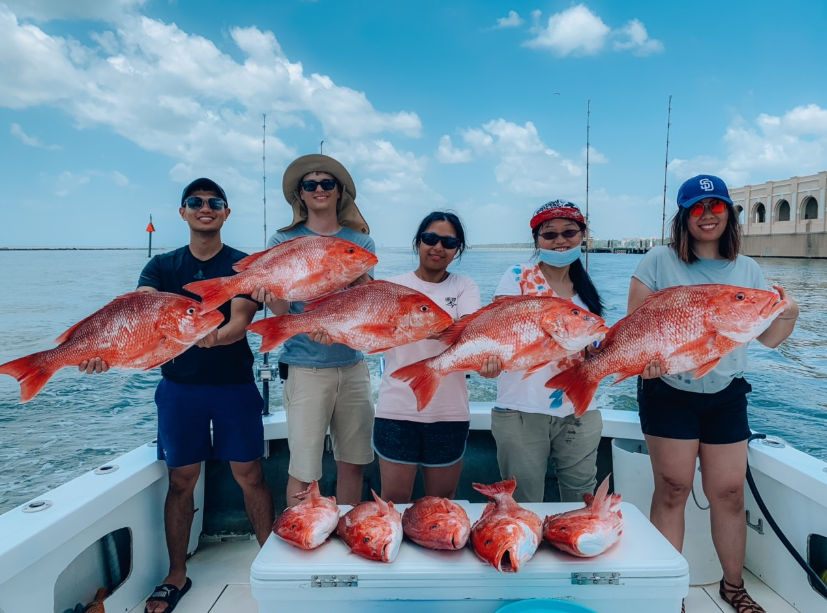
pixel 372 317
pixel 686 328
pixel 372 530
pixel 436 523
pixel 506 535
pixel 308 524
pixel 525 332
pixel 297 270
pixel 589 531
pixel 136 330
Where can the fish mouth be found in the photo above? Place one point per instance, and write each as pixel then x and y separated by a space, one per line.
pixel 773 307
pixel 505 563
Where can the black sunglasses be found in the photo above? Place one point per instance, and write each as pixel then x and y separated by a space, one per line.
pixel 431 239
pixel 310 186
pixel 196 202
pixel 550 236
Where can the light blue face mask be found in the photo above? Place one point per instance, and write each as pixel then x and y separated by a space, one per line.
pixel 558 259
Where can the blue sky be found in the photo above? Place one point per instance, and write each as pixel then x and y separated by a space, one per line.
pixel 107 109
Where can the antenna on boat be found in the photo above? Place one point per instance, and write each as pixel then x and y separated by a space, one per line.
pixel 321 147
pixel 588 114
pixel 665 168
pixel 265 372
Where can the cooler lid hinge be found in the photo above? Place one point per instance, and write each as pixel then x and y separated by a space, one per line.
pixel 334 581
pixel 612 578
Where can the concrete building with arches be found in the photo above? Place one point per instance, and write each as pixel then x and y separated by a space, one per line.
pixel 784 218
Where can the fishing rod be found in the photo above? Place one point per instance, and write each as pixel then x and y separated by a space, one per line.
pixel 588 113
pixel 665 168
pixel 265 371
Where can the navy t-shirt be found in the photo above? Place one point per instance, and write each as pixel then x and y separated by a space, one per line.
pixel 222 365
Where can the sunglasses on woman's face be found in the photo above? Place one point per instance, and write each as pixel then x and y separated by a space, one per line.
pixel 431 239
pixel 550 236
pixel 716 206
pixel 327 185
pixel 195 202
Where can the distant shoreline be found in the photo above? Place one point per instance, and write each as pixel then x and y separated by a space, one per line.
pixel 80 249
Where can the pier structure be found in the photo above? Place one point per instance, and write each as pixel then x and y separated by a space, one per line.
pixel 783 218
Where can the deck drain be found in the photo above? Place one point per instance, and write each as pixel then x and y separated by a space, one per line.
pixel 37 506
pixel 106 469
pixel 775 443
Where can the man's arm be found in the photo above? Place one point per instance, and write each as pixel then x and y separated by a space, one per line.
pixel 242 312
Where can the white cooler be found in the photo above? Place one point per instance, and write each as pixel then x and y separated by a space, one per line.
pixel 643 573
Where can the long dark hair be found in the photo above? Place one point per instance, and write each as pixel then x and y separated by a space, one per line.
pixel 729 245
pixel 448 216
pixel 580 279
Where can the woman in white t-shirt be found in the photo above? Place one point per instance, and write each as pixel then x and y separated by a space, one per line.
pixel 529 422
pixel 433 438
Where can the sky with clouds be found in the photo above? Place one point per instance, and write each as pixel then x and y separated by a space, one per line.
pixel 107 109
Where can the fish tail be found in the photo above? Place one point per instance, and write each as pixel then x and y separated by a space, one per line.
pixel 213 292
pixel 577 385
pixel 423 381
pixel 274 331
pixel 495 489
pixel 31 371
pixel 312 491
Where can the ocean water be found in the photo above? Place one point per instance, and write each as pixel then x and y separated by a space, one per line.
pixel 79 422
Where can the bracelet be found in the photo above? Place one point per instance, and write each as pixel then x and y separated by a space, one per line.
pixel 788 318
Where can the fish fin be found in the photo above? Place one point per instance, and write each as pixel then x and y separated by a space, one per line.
pixel 706 368
pixel 623 376
pixel 68 334
pixel 423 380
pixel 244 263
pixel 384 507
pixel 501 487
pixel 534 369
pixel 311 492
pixel 449 335
pixel 273 330
pixel 32 372
pixel 381 350
pixel 577 385
pixel 602 501
pixel 213 292
pixel 702 344
pixel 588 499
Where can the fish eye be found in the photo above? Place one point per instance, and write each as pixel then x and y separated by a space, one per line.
pixel 424 308
pixel 739 296
pixel 575 311
pixel 351 250
pixel 293 527
pixel 562 528
pixel 488 542
pixel 366 539
pixel 433 527
pixel 191 311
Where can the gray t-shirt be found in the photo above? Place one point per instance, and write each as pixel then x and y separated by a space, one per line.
pixel 300 350
pixel 662 268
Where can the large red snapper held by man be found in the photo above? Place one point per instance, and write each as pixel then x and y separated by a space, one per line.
pixel 308 524
pixel 436 523
pixel 524 332
pixel 372 530
pixel 506 535
pixel 135 330
pixel 687 328
pixel 298 270
pixel 372 317
pixel 589 531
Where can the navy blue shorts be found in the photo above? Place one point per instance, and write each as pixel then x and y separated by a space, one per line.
pixel 714 419
pixel 411 442
pixel 185 413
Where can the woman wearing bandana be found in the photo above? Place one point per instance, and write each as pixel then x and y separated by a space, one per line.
pixel 530 422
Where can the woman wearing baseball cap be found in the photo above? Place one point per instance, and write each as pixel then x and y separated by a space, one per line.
pixel 683 418
pixel 526 423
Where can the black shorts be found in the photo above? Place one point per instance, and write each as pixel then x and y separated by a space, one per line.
pixel 436 444
pixel 714 419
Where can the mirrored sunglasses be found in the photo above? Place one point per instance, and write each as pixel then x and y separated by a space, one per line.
pixel 196 202
pixel 550 236
pixel 310 186
pixel 716 206
pixel 431 239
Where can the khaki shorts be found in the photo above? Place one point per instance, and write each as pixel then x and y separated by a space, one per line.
pixel 525 441
pixel 320 398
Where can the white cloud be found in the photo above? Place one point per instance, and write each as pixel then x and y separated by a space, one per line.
pixel 48 10
pixel 68 182
pixel 772 148
pixel 119 178
pixel 448 155
pixel 31 141
pixel 512 20
pixel 580 31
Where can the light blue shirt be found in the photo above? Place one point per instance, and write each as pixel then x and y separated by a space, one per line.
pixel 300 350
pixel 662 268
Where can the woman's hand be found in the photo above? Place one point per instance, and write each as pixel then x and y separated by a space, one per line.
pixel 491 367
pixel 792 310
pixel 593 349
pixel 320 335
pixel 93 366
pixel 653 370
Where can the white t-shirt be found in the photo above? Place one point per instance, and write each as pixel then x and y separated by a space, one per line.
pixel 530 395
pixel 458 296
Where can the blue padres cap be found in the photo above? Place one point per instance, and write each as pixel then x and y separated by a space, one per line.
pixel 700 187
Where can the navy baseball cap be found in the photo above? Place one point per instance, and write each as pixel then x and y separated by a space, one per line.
pixel 700 187
pixel 203 185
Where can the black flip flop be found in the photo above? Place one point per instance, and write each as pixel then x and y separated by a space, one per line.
pixel 169 595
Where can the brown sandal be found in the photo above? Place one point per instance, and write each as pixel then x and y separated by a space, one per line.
pixel 737 597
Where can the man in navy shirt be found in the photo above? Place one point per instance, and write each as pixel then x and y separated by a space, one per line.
pixel 211 382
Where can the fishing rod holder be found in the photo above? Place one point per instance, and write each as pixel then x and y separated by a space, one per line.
pixel 265 372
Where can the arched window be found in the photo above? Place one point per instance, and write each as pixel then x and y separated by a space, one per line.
pixel 783 209
pixel 810 208
pixel 760 213
pixel 740 211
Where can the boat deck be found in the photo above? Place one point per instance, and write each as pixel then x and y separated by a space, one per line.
pixel 220 574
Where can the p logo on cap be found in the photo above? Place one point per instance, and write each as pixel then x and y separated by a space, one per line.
pixel 707 185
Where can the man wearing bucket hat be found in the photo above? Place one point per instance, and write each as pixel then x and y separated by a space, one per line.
pixel 326 385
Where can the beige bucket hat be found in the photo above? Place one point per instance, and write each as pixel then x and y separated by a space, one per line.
pixel 347 212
